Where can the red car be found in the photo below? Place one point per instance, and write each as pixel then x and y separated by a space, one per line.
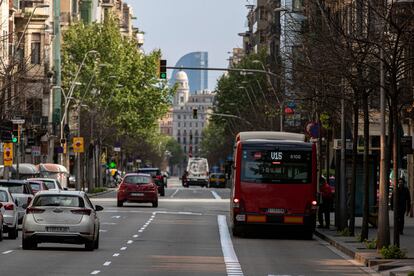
pixel 37 186
pixel 137 187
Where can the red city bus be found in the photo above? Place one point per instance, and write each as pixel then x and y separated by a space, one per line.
pixel 274 182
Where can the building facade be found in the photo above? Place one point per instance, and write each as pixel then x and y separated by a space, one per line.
pixel 198 79
pixel 187 128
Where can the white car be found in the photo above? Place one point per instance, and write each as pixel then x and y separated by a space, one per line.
pixel 10 213
pixel 52 184
pixel 61 217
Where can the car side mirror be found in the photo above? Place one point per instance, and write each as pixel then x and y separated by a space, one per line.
pixel 24 206
pixel 98 208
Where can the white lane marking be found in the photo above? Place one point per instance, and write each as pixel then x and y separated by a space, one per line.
pixel 116 255
pixel 95 272
pixel 108 223
pixel 123 248
pixel 176 191
pixel 103 231
pixel 135 236
pixel 216 196
pixel 230 258
pixel 7 252
pixel 367 270
pixel 117 217
pixel 107 263
pixel 179 213
pixel 130 241
pixel 140 231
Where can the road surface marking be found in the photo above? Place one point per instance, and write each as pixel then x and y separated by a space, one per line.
pixel 7 252
pixel 95 272
pixel 108 223
pixel 230 258
pixel 117 217
pixel 123 248
pixel 103 231
pixel 140 231
pixel 179 213
pixel 216 196
pixel 176 191
pixel 107 263
pixel 116 255
pixel 135 236
pixel 130 241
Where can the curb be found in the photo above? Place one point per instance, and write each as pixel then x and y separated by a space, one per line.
pixel 99 194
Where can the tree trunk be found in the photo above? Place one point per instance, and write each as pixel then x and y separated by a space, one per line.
pixel 395 171
pixel 364 231
pixel 354 169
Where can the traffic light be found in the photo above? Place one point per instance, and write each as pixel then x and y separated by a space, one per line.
pixel 14 139
pixel 163 69
pixel 195 113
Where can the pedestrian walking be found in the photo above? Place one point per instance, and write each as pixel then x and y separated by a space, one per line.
pixel 403 204
pixel 184 179
pixel 325 205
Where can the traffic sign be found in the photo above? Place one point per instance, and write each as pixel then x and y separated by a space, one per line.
pixel 18 121
pixel 78 145
pixel 8 154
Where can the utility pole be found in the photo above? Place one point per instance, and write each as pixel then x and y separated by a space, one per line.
pixel 57 98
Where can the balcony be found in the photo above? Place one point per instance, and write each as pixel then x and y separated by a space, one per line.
pixel 108 3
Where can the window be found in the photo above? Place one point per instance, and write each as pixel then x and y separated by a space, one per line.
pixel 179 117
pixel 34 107
pixel 297 5
pixel 35 48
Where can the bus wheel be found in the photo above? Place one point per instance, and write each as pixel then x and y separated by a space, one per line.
pixel 308 235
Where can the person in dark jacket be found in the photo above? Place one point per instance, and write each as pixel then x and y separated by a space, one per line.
pixel 404 204
pixel 325 206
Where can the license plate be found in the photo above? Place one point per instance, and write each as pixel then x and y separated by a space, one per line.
pixel 57 229
pixel 276 211
pixel 137 194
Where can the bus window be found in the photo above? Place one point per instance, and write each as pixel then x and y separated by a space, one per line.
pixel 276 166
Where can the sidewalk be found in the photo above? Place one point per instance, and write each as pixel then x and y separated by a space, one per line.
pixel 370 257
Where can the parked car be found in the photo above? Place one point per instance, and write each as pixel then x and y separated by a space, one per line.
pixel 137 187
pixel 61 217
pixel 21 192
pixel 38 186
pixel 52 184
pixel 157 176
pixel 9 212
pixel 217 180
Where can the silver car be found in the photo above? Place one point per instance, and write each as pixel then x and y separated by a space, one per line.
pixel 52 184
pixel 10 213
pixel 61 217
pixel 21 192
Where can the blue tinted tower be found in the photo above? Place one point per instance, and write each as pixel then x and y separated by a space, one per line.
pixel 197 79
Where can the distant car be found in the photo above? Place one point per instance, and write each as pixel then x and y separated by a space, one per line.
pixel 157 176
pixel 136 187
pixel 21 192
pixel 217 180
pixel 61 217
pixel 198 172
pixel 38 186
pixel 52 184
pixel 9 212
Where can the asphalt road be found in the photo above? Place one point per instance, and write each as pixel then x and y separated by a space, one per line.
pixel 186 235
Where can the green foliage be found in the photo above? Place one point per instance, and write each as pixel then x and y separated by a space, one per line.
pixel 393 252
pixel 411 273
pixel 371 244
pixel 177 154
pixel 120 83
pixel 98 190
pixel 345 232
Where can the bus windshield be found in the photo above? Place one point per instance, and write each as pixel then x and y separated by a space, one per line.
pixel 276 166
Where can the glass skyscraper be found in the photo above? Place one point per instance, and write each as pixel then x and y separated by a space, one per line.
pixel 198 79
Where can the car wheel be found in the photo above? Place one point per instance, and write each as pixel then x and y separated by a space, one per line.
pixel 13 233
pixel 28 244
pixel 119 203
pixel 97 242
pixel 90 245
pixel 155 204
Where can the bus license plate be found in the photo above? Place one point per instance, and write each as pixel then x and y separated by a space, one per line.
pixel 276 211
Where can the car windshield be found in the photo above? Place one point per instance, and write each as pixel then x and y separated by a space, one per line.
pixel 35 186
pixel 50 184
pixel 59 200
pixel 137 179
pixel 14 188
pixel 276 166
pixel 3 196
pixel 150 172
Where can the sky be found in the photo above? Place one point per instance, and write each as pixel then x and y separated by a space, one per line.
pixel 178 27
